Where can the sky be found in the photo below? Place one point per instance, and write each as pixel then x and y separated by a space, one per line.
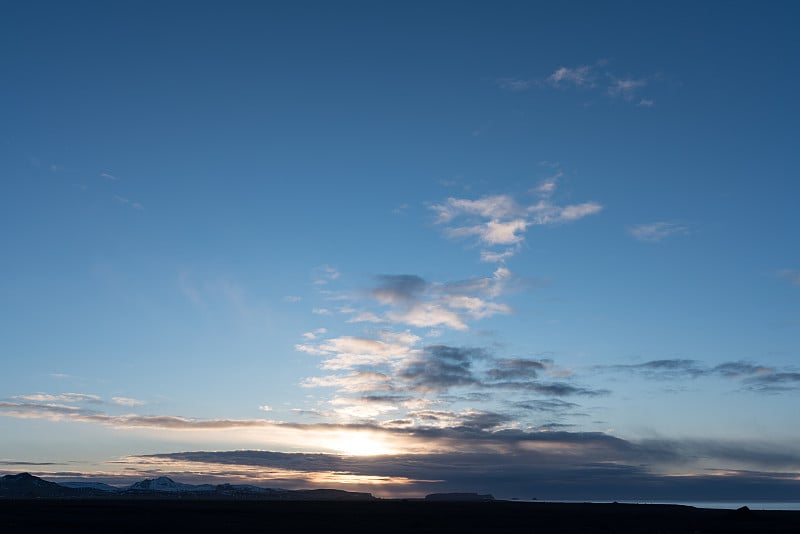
pixel 527 248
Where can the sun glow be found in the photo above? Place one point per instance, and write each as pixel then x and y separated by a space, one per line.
pixel 360 443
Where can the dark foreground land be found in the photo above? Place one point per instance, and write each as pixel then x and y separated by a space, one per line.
pixel 77 515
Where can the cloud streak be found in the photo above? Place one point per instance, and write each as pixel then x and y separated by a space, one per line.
pixel 585 78
pixel 657 231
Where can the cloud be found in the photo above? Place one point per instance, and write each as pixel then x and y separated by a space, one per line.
pixel 489 256
pixel 348 352
pixel 551 465
pixel 753 377
pixel 265 408
pixel 313 335
pixel 364 407
pixel 581 76
pixel 58 412
pixel 792 276
pixel 515 84
pixel 774 382
pixel 550 389
pixel 126 401
pixel 490 207
pixel 626 87
pixel 355 382
pixel 292 298
pixel 519 368
pixel 440 367
pixel 398 288
pixel 547 187
pixel 654 232
pixel 325 274
pixel 109 176
pixel 499 220
pixel 546 405
pixel 428 315
pixel 63 397
pixel 593 79
pixel 321 311
pixel 131 203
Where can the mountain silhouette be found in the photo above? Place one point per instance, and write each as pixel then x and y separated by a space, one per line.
pixel 27 486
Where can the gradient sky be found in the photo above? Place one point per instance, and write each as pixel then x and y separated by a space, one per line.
pixel 522 248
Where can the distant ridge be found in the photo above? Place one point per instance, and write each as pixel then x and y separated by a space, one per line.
pixel 459 497
pixel 27 486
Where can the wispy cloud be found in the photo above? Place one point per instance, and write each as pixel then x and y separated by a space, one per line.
pixel 515 84
pixel 127 401
pixel 625 87
pixel 62 397
pixel 325 274
pixel 131 203
pixel 791 275
pixel 580 76
pixel 594 78
pixel 500 220
pixel 750 376
pixel 657 231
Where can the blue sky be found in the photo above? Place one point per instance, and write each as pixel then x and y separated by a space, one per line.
pixel 556 235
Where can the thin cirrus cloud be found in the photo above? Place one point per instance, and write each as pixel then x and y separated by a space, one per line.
pixel 62 397
pixel 127 401
pixel 791 275
pixel 750 376
pixel 585 78
pixel 657 231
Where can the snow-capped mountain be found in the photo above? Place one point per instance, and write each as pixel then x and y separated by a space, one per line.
pixel 27 486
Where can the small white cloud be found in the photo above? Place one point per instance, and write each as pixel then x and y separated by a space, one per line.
pixel 366 317
pixel 265 408
pixel 626 88
pixel 347 352
pixel 579 211
pixel 547 187
pixel 645 103
pixel 578 76
pixel 292 298
pixel 60 375
pixel 428 315
pixel 325 274
pixel 313 335
pixel 109 176
pixel 494 232
pixel 654 232
pixel 126 401
pixel 498 257
pixel 321 311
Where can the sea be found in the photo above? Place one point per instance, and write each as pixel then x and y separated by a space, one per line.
pixel 727 505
